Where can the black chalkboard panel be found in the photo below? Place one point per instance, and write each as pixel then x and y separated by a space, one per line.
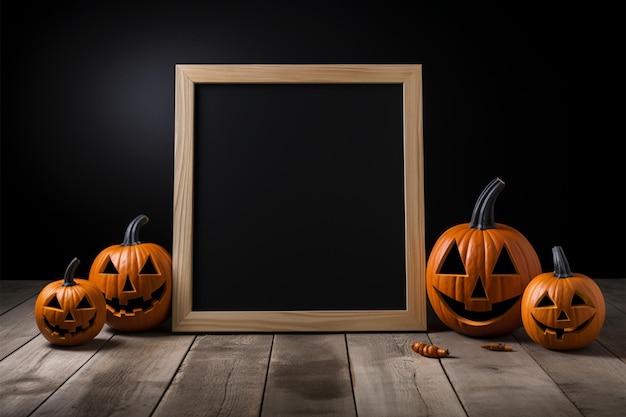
pixel 301 190
pixel 298 198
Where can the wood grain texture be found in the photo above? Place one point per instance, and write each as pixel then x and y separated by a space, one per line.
pixel 34 372
pixel 411 318
pixel 127 377
pixel 14 292
pixel 160 373
pixel 614 292
pixel 390 379
pixel 309 376
pixel 491 383
pixel 17 317
pixel 613 333
pixel 590 378
pixel 222 375
pixel 18 327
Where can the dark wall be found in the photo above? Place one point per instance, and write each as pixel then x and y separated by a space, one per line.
pixel 533 95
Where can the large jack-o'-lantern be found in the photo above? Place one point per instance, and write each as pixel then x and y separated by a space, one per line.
pixel 70 311
pixel 136 280
pixel 562 310
pixel 477 272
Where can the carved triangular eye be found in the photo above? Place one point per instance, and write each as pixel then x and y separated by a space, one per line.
pixel 577 300
pixel 84 303
pixel 54 303
pixel 453 264
pixel 504 264
pixel 148 267
pixel 545 302
pixel 110 268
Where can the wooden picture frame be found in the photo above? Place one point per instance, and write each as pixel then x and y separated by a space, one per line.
pixel 187 319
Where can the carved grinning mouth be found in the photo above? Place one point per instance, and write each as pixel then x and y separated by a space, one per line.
pixel 497 309
pixel 135 304
pixel 65 332
pixel 561 331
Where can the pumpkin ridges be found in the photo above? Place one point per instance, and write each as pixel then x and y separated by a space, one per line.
pixel 145 252
pixel 136 301
pixel 480 301
pixel 559 324
pixel 55 323
pixel 520 249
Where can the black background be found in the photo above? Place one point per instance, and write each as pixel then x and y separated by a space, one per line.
pixel 301 195
pixel 532 93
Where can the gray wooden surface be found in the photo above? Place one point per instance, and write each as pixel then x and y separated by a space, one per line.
pixel 164 374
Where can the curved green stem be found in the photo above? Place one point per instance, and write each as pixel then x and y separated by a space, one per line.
pixel 131 237
pixel 68 277
pixel 483 214
pixel 561 265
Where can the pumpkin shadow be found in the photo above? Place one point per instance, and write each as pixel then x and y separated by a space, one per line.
pixel 433 322
pixel 594 350
pixel 100 342
pixel 163 330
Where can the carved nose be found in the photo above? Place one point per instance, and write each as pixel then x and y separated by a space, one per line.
pixel 128 286
pixel 479 290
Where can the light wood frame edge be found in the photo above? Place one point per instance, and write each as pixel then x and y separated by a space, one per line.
pixel 184 319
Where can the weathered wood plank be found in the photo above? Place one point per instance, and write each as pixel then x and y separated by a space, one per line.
pixel 14 292
pixel 390 379
pixel 125 378
pixel 592 378
pixel 493 383
pixel 613 333
pixel 309 376
pixel 222 375
pixel 17 327
pixel 36 370
pixel 614 291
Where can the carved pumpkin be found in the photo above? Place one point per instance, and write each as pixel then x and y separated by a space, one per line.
pixel 136 280
pixel 70 311
pixel 477 272
pixel 562 310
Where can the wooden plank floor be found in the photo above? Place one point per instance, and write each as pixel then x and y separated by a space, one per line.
pixel 160 373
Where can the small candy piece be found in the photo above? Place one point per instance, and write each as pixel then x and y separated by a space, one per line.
pixel 497 346
pixel 429 351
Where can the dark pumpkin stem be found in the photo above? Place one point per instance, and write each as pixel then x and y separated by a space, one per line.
pixel 131 237
pixel 483 214
pixel 68 278
pixel 561 265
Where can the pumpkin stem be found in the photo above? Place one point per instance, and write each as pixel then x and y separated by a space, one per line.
pixel 68 278
pixel 482 216
pixel 561 265
pixel 131 237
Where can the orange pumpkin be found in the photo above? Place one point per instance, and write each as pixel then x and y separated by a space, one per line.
pixel 136 280
pixel 70 311
pixel 476 272
pixel 562 310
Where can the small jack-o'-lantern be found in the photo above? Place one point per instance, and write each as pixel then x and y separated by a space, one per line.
pixel 562 310
pixel 477 272
pixel 136 280
pixel 70 311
